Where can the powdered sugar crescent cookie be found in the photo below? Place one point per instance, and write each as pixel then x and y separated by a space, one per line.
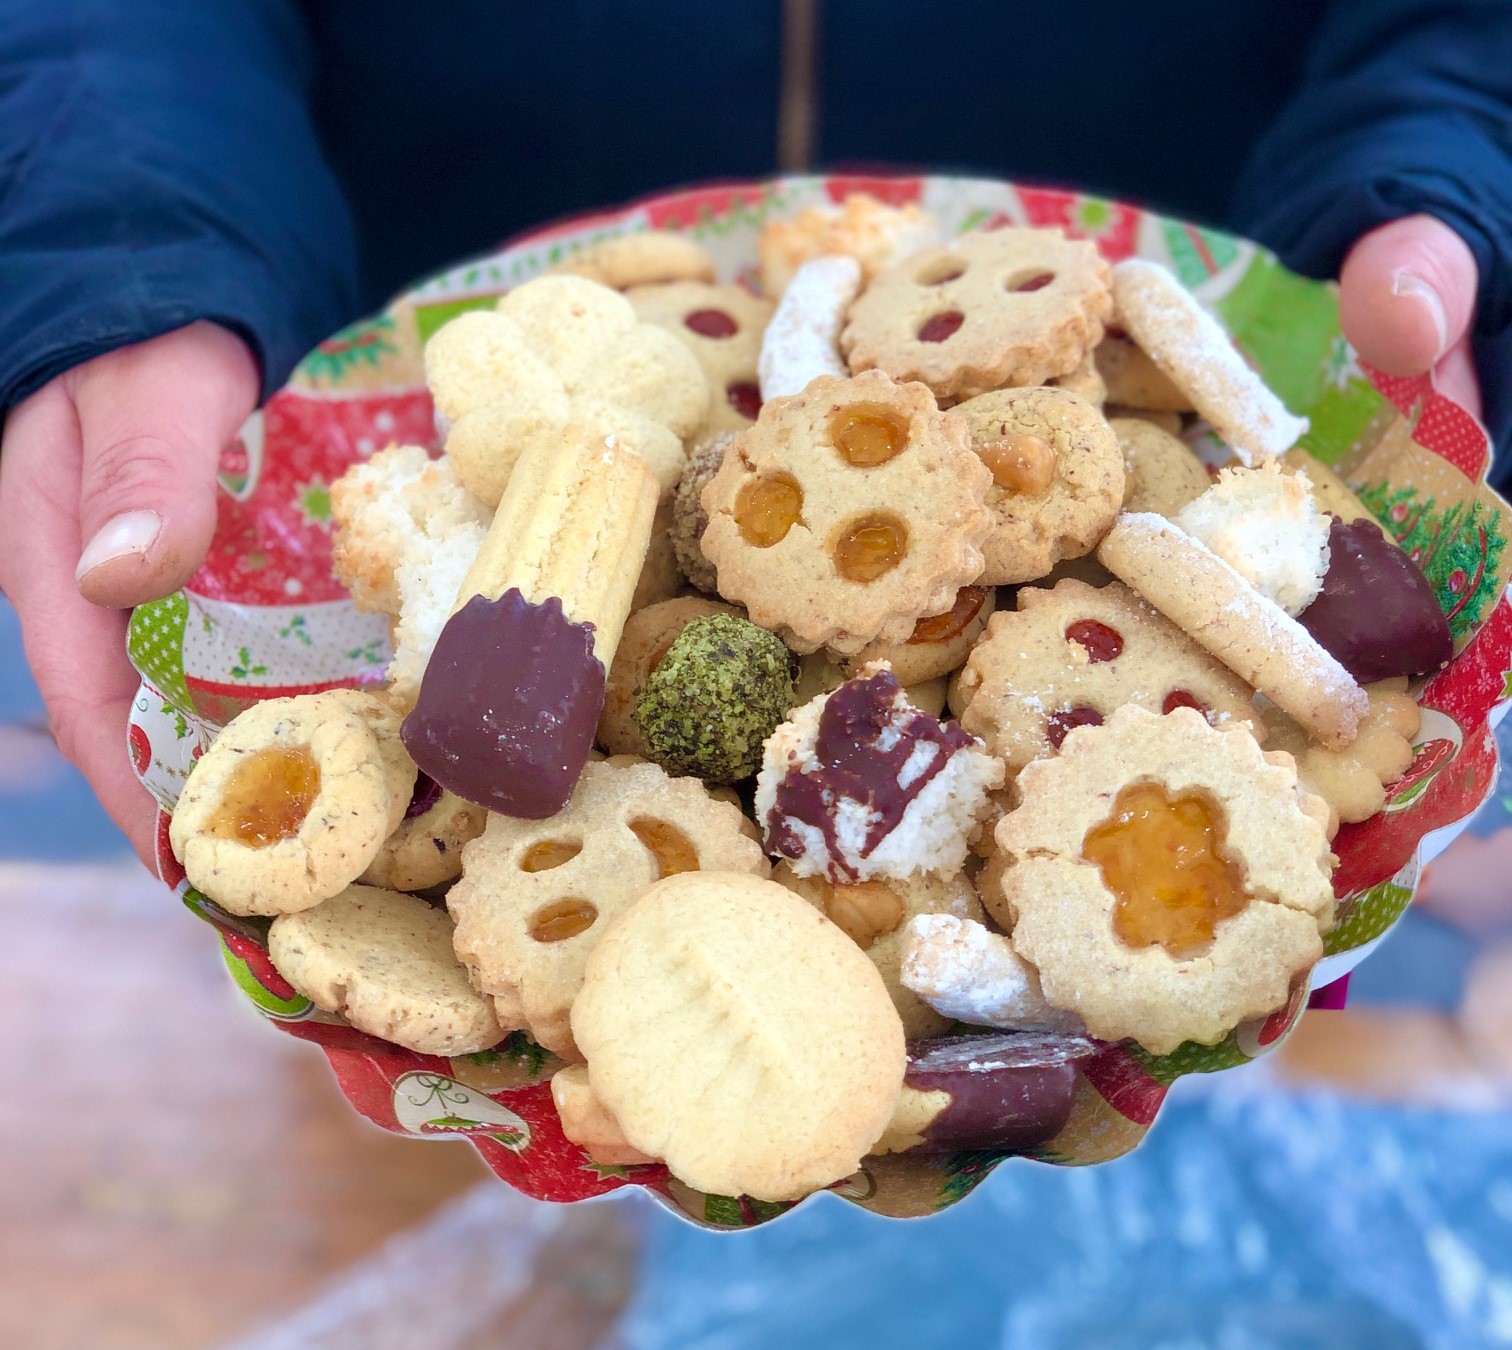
pixel 876 916
pixel 384 962
pixel 937 645
pixel 1072 656
pixel 288 806
pixel 689 519
pixel 847 513
pixel 536 895
pixel 732 1030
pixel 722 326
pixel 1170 880
pixel 1132 380
pixel 1057 478
pixel 1207 599
pixel 1160 473
pixel 646 259
pixel 1353 781
pixel 803 340
pixel 1190 346
pixel 425 849
pixel 989 310
pixel 875 234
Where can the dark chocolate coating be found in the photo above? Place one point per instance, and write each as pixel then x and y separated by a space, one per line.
pixel 1008 1090
pixel 508 705
pixel 1377 613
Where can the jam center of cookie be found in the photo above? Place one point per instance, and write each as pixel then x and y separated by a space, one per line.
pixel 865 911
pixel 1019 462
pixel 562 919
pixel 672 849
pixel 942 627
pixel 870 547
pixel 1161 857
pixel 1182 698
pixel 1064 722
pixel 767 508
pixel 866 437
pixel 745 397
pixel 711 323
pixel 941 326
pixel 1100 642
pixel 268 796
pixel 549 853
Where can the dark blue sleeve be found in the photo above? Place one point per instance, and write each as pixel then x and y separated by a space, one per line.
pixel 158 165
pixel 1405 107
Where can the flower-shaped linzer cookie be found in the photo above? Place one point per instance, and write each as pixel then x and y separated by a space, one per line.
pixel 992 309
pixel 847 513
pixel 1170 880
pixel 536 895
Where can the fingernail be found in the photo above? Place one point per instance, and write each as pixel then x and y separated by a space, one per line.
pixel 1405 283
pixel 129 532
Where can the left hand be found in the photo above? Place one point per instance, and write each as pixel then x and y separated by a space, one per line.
pixel 1406 299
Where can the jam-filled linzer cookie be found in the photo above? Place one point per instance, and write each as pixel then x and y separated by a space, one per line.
pixel 1057 478
pixel 512 694
pixel 1170 880
pixel 847 513
pixel 1072 656
pixel 989 310
pixel 292 802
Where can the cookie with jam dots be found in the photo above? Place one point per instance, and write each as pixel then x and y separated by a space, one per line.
pixel 1057 478
pixel 292 802
pixel 938 645
pixel 847 513
pixel 536 895
pixel 1072 656
pixel 384 962
pixel 1170 880
pixel 989 310
pixel 722 326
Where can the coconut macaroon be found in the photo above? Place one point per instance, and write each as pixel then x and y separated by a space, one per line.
pixel 386 506
pixel 1265 523
pixel 292 802
pixel 860 784
pixel 428 580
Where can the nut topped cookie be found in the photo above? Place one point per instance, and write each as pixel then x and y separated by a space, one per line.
pixel 536 895
pixel 847 513
pixel 1057 478
pixel 991 309
pixel 1170 880
pixel 1072 656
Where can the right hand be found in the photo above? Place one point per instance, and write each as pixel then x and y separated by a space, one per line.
pixel 107 500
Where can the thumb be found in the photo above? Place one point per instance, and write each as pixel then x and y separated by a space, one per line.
pixel 152 420
pixel 1407 294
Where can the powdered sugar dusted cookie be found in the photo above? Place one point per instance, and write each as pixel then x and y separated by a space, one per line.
pixel 862 227
pixel 1170 880
pixel 803 340
pixel 1160 473
pixel 384 962
pixel 989 310
pixel 536 895
pixel 1072 656
pixel 967 973
pixel 1252 635
pixel 1190 346
pixel 847 513
pixel 1057 478
pixel 732 1030
pixel 878 915
pixel 860 785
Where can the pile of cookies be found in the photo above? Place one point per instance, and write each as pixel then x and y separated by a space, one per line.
pixel 663 773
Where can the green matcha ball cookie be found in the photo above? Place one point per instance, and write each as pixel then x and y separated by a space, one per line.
pixel 722 688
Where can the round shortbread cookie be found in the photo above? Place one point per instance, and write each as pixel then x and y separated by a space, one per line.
pixel 1208 600
pixel 737 1033
pixel 289 805
pixel 426 848
pixel 1190 346
pixel 938 644
pixel 1057 478
pixel 384 962
pixel 1132 380
pixel 1161 474
pixel 1071 925
pixel 646 259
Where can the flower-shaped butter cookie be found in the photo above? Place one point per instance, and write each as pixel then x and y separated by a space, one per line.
pixel 536 895
pixel 1171 880
pixel 722 326
pixel 847 513
pixel 1057 478
pixel 989 310
pixel 1072 656
pixel 560 349
pixel 938 644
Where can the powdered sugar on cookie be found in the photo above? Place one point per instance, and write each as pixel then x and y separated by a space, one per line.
pixel 803 338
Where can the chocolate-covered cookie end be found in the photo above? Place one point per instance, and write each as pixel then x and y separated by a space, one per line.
pixel 508 705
